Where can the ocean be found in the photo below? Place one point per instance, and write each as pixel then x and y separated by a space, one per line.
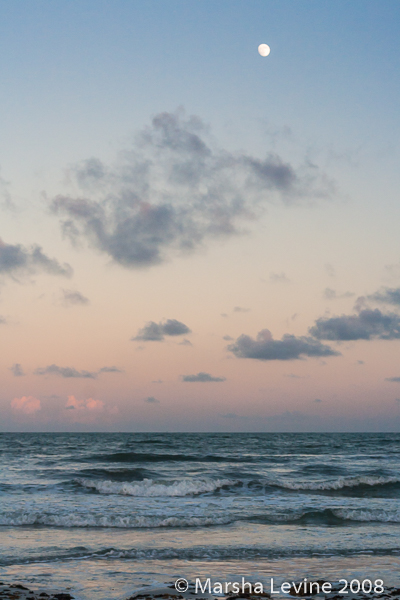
pixel 105 514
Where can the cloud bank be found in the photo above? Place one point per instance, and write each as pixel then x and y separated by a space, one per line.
pixel 174 190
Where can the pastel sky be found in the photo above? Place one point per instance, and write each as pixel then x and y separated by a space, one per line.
pixel 194 237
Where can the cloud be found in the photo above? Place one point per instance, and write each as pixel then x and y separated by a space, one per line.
pixel 151 400
pixel 66 372
pixel 387 296
pixel 173 190
pixel 185 342
pixel 155 332
pixel 330 294
pixel 73 298
pixel 317 400
pixel 240 309
pixel 279 278
pixel 89 404
pixel 27 405
pixel 17 370
pixel 293 376
pixel 16 260
pixel 72 373
pixel 202 378
pixel 6 201
pixel 393 379
pixel 368 324
pixel 330 270
pixel 290 347
pixel 227 338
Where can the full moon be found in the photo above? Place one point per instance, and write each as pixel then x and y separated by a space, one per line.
pixel 264 50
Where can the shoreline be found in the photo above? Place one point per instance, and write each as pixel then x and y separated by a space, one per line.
pixel 19 591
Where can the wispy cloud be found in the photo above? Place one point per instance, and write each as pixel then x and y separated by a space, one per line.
pixel 72 373
pixel 151 400
pixel 387 296
pixel 202 378
pixel 17 370
pixel 73 298
pixel 330 294
pixel 279 278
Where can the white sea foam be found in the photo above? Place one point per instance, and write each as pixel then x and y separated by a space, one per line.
pixel 337 484
pixel 377 515
pixel 128 522
pixel 147 487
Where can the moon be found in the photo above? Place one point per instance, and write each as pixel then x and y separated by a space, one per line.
pixel 264 49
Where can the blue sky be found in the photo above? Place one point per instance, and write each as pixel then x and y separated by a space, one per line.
pixel 79 80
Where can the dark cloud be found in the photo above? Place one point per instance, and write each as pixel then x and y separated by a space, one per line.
pixel 279 278
pixel 151 400
pixel 173 190
pixel 15 260
pixel 227 338
pixel 393 379
pixel 366 325
pixel 289 347
pixel 240 309
pixel 72 373
pixel 185 342
pixel 317 400
pixel 155 332
pixel 17 370
pixel 3 320
pixel 73 297
pixel 202 378
pixel 387 296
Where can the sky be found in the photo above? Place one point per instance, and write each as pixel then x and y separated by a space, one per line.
pixel 195 237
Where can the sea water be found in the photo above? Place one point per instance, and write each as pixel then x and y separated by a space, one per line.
pixel 108 513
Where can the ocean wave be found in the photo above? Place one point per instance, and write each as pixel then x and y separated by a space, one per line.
pixel 340 483
pixel 208 552
pixel 125 522
pixel 116 474
pixel 147 487
pixel 364 515
pixel 140 457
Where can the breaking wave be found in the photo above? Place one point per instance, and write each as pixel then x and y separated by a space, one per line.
pixel 147 487
pixel 127 522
